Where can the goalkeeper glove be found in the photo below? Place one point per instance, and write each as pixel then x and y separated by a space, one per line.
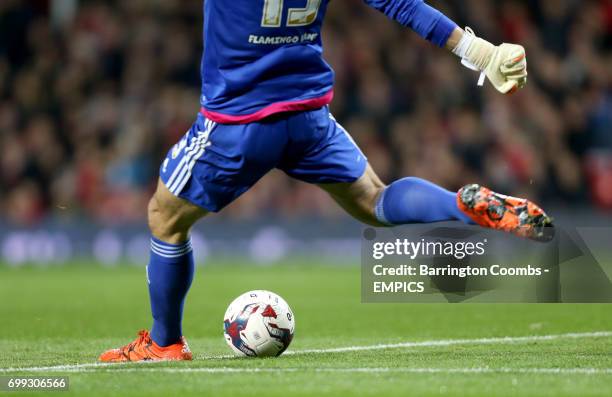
pixel 505 65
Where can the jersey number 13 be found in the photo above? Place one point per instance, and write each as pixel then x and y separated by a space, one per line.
pixel 273 10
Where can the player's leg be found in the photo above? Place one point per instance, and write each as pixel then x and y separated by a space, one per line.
pixel 169 275
pixel 408 200
pixel 414 200
pixel 209 168
pixel 322 152
pixel 170 218
pixel 171 265
pixel 358 198
pixel 333 161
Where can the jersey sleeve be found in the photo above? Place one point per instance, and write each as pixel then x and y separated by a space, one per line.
pixel 425 20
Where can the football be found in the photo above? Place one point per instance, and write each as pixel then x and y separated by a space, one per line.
pixel 258 324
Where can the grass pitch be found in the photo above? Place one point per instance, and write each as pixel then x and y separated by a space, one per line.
pixel 59 319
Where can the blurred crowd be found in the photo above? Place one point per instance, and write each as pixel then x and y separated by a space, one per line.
pixel 92 97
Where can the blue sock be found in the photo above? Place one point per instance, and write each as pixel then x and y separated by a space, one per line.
pixel 415 200
pixel 169 275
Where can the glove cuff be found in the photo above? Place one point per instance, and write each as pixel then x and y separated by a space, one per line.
pixel 464 43
pixel 473 50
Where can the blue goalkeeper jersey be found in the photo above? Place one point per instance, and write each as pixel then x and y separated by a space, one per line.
pixel 263 57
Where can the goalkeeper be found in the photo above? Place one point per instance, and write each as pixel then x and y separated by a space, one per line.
pixel 265 91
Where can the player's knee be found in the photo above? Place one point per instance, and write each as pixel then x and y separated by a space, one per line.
pixel 155 216
pixel 163 221
pixel 367 204
pixel 171 218
pixel 371 192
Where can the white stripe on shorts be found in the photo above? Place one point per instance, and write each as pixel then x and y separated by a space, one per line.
pixel 198 146
pixel 187 153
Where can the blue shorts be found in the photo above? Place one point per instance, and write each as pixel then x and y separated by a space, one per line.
pixel 214 163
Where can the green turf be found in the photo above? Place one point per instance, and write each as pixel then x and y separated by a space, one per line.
pixel 68 315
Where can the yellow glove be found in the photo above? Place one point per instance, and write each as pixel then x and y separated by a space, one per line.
pixel 505 65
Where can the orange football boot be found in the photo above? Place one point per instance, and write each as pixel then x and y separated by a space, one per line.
pixel 497 211
pixel 145 349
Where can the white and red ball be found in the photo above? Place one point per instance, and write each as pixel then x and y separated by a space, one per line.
pixel 258 324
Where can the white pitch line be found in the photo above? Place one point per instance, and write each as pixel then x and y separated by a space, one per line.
pixel 430 343
pixel 453 342
pixel 405 370
pixel 396 370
